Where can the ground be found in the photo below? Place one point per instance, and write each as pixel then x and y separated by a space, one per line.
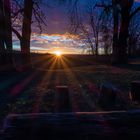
pixel 34 91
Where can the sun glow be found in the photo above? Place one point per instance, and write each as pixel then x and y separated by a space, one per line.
pixel 58 53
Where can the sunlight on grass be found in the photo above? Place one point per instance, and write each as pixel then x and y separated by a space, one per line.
pixel 46 79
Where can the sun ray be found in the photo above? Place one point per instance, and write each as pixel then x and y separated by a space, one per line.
pixel 46 79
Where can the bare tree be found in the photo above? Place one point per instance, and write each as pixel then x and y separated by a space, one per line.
pixel 106 39
pixel 134 37
pixel 26 31
pixel 24 14
pixel 8 25
pixel 6 33
pixel 122 16
pixel 87 23
pixel 94 22
pixel 2 48
pixel 86 37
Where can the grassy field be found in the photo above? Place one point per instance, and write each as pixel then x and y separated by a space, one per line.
pixel 34 91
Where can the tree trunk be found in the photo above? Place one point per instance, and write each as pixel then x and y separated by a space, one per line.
pixel 96 49
pixel 120 44
pixel 115 54
pixel 124 31
pixel 96 45
pixel 8 31
pixel 8 25
pixel 2 47
pixel 123 36
pixel 26 32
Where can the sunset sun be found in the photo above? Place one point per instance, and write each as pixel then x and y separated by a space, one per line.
pixel 58 53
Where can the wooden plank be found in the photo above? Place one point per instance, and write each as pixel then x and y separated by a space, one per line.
pixel 80 125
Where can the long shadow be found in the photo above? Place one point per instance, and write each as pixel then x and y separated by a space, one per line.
pixel 134 67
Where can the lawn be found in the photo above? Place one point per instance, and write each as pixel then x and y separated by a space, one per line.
pixel 34 91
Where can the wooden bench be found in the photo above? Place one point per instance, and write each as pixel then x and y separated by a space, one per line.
pixel 114 125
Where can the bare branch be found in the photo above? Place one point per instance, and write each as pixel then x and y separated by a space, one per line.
pixel 135 12
pixel 17 33
pixel 16 13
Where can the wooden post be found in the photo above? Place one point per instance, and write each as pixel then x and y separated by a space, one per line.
pixel 135 91
pixel 62 103
pixel 108 96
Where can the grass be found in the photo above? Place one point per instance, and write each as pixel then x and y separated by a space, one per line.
pixel 34 91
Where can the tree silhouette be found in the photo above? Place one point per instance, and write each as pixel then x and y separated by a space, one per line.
pixel 122 16
pixel 26 31
pixel 134 37
pixel 25 14
pixel 5 33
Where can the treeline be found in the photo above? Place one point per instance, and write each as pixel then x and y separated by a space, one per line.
pixel 110 25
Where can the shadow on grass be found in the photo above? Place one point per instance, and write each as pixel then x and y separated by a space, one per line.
pixel 134 67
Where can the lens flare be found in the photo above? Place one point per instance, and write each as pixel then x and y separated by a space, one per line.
pixel 58 53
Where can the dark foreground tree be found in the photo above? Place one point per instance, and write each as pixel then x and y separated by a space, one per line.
pixel 5 33
pixel 26 31
pixel 125 13
pixel 122 16
pixel 8 31
pixel 8 25
pixel 27 12
pixel 134 37
pixel 2 48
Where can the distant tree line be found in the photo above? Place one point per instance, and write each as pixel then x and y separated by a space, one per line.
pixel 115 21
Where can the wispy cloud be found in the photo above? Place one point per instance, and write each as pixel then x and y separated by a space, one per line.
pixel 67 43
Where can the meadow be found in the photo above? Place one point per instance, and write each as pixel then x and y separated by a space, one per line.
pixel 34 91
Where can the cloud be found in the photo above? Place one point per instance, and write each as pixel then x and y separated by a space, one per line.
pixel 67 43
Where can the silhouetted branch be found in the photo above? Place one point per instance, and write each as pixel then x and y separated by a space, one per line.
pixel 17 33
pixel 39 17
pixel 103 5
pixel 16 13
pixel 135 12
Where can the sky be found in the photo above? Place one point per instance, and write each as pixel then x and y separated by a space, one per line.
pixel 50 43
pixel 55 36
